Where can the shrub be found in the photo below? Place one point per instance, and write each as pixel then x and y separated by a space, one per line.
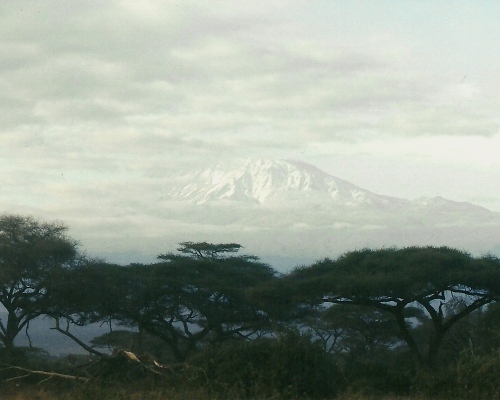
pixel 288 367
pixel 477 376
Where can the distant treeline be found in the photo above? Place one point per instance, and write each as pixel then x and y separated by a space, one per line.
pixel 389 320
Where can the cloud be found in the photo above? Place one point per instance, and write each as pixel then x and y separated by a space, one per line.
pixel 199 73
pixel 102 101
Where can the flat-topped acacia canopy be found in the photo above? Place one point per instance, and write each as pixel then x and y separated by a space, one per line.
pixel 393 279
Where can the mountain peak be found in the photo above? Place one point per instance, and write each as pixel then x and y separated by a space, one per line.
pixel 260 181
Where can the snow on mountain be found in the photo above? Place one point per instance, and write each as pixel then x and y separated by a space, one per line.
pixel 292 209
pixel 288 210
pixel 260 181
pixel 291 182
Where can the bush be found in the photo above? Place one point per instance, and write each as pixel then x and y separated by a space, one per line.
pixel 471 377
pixel 288 367
pixel 478 376
pixel 371 377
pixel 387 371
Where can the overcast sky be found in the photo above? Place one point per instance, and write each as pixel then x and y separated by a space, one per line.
pixel 100 100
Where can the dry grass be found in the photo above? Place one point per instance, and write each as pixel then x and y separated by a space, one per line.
pixel 93 392
pixel 129 392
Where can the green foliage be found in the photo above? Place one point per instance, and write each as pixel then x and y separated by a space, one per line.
pixel 478 376
pixel 377 321
pixel 89 292
pixel 365 343
pixel 485 333
pixel 205 251
pixel 364 330
pixel 395 280
pixel 470 377
pixel 182 301
pixel 289 367
pixel 400 273
pixel 116 340
pixel 389 371
pixel 185 300
pixel 30 254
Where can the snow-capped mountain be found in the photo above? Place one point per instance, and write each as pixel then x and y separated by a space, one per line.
pixel 292 209
pixel 293 212
pixel 261 181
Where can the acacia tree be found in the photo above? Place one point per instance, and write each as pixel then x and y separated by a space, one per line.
pixel 353 330
pixel 185 299
pixel 30 252
pixel 206 251
pixel 92 292
pixel 396 280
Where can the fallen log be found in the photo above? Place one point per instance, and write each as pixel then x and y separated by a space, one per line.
pixel 44 373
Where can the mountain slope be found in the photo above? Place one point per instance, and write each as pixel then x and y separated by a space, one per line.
pixel 285 182
pixel 291 207
pixel 262 181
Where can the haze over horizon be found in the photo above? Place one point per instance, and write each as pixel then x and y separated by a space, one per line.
pixel 102 102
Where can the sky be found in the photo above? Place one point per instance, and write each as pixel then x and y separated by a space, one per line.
pixel 101 100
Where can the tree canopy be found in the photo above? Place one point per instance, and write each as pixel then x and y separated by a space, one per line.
pixel 205 251
pixel 30 252
pixel 182 300
pixel 395 280
pixel 381 315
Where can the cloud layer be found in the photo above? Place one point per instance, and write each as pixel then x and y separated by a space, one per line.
pixel 101 101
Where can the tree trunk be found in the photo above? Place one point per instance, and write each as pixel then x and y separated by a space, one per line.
pixel 418 360
pixel 10 334
pixel 434 345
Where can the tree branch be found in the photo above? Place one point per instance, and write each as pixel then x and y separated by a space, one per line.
pixel 45 373
pixel 76 340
